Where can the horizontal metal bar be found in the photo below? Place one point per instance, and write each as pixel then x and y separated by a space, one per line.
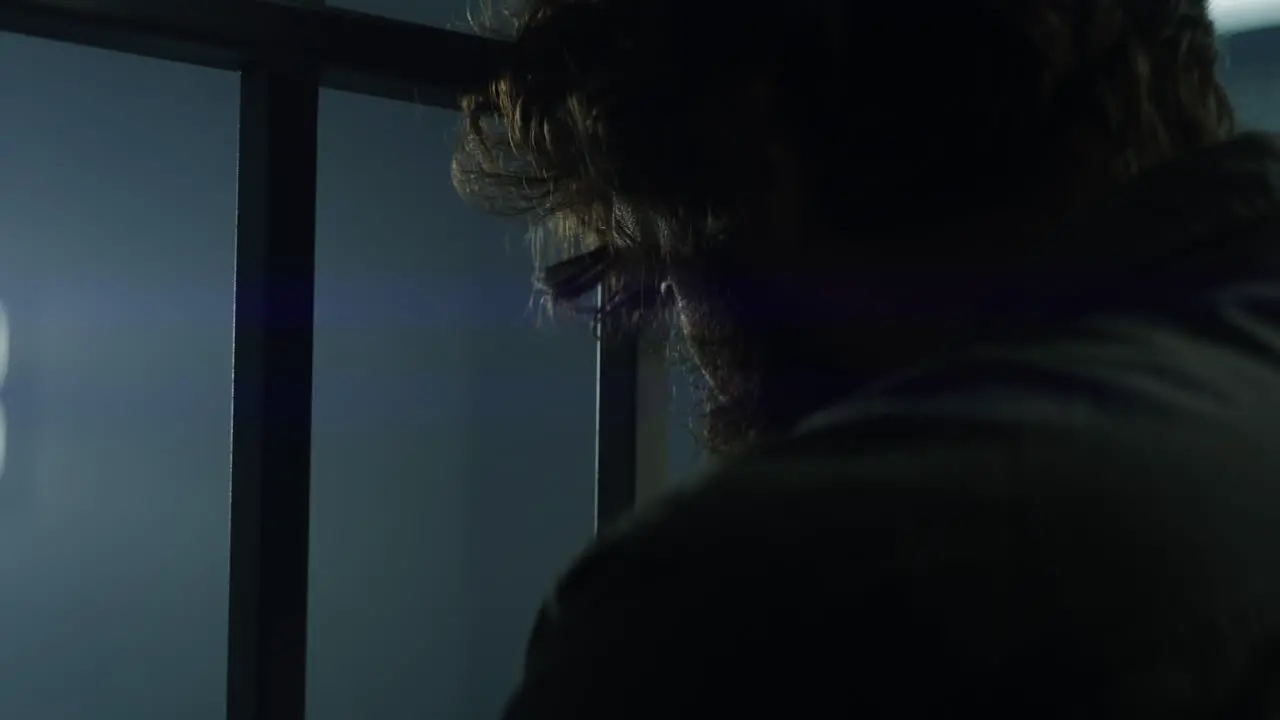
pixel 1251 49
pixel 353 51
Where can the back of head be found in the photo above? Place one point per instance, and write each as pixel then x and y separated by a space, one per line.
pixel 738 157
pixel 744 159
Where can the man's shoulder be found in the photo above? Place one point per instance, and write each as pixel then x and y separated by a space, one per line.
pixel 812 495
pixel 792 548
pixel 1102 461
pixel 1119 408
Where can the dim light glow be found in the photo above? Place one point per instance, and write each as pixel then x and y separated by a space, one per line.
pixel 1233 16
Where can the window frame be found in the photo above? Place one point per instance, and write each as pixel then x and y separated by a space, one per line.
pixel 284 54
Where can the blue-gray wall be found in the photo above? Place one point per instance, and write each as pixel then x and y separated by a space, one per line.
pixel 453 434
pixel 117 218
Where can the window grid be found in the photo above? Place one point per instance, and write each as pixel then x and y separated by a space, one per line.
pixel 284 55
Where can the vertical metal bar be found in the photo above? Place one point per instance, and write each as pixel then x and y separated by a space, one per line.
pixel 271 425
pixel 653 415
pixel 617 365
pixel 633 397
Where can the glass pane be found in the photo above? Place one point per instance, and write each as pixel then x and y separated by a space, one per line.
pixel 1252 76
pixel 117 197
pixel 454 436
pixel 1232 16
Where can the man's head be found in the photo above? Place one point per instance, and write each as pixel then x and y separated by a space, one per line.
pixel 797 180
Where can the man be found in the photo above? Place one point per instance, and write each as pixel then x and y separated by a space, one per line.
pixel 986 299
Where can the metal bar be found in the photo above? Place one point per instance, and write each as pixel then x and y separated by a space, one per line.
pixel 653 409
pixel 271 419
pixel 617 367
pixel 352 51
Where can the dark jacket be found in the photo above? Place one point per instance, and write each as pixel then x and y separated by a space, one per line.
pixel 1079 519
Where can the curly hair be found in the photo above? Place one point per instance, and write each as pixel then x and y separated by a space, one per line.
pixel 592 126
pixel 611 123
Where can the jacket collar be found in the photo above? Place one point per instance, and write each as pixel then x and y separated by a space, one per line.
pixel 1205 220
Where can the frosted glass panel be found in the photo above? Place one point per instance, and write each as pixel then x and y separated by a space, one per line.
pixel 117 203
pixel 454 436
